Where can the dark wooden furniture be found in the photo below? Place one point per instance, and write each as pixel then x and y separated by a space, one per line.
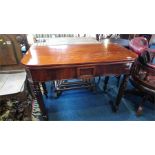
pixel 68 61
pixel 10 52
pixel 143 78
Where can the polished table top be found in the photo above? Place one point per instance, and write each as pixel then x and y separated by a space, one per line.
pixel 71 54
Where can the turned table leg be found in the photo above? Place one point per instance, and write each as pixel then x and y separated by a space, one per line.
pixel 40 101
pixel 121 92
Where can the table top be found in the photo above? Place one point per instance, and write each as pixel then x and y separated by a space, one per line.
pixel 75 54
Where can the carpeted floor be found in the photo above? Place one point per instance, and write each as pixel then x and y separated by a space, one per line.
pixel 84 105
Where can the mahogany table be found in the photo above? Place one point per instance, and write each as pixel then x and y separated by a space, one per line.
pixel 70 61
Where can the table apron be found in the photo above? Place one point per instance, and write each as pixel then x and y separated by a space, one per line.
pixel 47 74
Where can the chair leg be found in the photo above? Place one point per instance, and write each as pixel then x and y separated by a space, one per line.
pixel 140 107
pixel 105 83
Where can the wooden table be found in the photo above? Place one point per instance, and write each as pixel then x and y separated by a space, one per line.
pixel 70 61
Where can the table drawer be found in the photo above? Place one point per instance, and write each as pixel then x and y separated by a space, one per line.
pixel 86 72
pixel 113 69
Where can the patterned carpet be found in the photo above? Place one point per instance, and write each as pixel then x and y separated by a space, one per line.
pixel 14 110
